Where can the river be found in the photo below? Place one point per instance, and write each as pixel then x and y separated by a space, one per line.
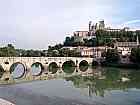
pixel 106 86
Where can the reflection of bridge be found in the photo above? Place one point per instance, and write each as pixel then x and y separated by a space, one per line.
pixel 27 62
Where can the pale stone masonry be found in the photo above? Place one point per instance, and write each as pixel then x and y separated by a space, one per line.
pixel 5 102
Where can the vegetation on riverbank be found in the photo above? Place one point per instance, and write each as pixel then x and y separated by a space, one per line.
pixel 112 59
pixel 11 51
pixel 53 51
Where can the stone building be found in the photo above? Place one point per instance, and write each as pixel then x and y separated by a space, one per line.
pixel 124 48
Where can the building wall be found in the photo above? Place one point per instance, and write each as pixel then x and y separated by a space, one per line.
pixel 93 52
pixel 81 33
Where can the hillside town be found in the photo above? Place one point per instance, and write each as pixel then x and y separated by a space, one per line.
pixel 99 38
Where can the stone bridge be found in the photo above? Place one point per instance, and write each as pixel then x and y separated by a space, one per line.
pixel 27 62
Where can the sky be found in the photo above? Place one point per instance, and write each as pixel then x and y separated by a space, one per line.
pixel 36 24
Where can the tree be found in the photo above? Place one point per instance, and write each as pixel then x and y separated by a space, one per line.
pixel 7 51
pixel 11 50
pixel 112 56
pixel 68 42
pixel 135 55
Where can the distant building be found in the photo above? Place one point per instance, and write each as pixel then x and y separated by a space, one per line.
pixel 81 33
pixel 92 51
pixel 116 29
pixel 113 30
pixel 72 48
pixel 101 25
pixel 124 48
pixel 126 44
pixel 87 52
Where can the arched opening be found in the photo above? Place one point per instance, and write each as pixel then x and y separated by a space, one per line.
pixel 37 69
pixel 17 70
pixel 53 67
pixel 68 67
pixel 1 71
pixel 95 63
pixel 6 62
pixel 83 66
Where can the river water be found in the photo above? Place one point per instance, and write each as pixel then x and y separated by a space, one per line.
pixel 106 86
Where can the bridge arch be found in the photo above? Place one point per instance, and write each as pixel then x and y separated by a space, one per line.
pixel 37 68
pixel 1 71
pixel 83 65
pixel 68 66
pixel 95 63
pixel 17 70
pixel 53 67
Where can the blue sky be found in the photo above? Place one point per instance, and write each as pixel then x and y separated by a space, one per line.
pixel 39 23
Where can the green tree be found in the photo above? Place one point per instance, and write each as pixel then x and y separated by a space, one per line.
pixel 135 55
pixel 8 51
pixel 112 56
pixel 68 42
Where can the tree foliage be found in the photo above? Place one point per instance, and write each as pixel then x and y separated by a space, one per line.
pixel 135 55
pixel 7 51
pixel 112 56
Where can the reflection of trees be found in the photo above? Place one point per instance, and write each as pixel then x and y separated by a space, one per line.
pixel 38 65
pixel 83 66
pixel 112 74
pixel 112 81
pixel 53 67
pixel 68 67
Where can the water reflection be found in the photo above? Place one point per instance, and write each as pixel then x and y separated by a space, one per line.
pixel 107 80
pixel 83 66
pixel 53 67
pixel 104 85
pixel 96 80
pixel 68 67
